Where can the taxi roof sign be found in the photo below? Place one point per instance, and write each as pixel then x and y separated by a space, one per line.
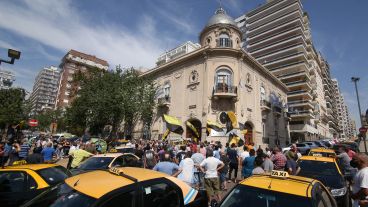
pixel 20 162
pixel 317 155
pixel 279 174
pixel 120 172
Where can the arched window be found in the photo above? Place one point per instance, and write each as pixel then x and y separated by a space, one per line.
pixel 263 93
pixel 223 80
pixel 224 40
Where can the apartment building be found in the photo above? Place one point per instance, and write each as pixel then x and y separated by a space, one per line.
pixel 71 63
pixel 278 35
pixel 45 90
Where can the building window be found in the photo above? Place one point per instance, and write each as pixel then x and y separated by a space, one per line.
pixel 223 80
pixel 224 40
pixel 263 93
pixel 167 89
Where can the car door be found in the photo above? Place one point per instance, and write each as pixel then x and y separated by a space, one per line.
pixel 126 196
pixel 13 186
pixel 160 193
pixel 321 197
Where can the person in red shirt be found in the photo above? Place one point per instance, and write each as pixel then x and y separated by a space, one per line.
pixel 278 159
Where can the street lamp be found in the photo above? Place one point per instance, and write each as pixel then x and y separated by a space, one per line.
pixel 13 55
pixel 355 80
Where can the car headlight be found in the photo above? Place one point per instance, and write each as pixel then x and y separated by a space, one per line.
pixel 338 192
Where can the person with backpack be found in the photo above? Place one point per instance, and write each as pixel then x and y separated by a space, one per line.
pixel 181 154
pixel 149 159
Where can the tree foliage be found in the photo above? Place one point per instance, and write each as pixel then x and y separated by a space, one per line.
pixel 111 98
pixel 12 103
pixel 51 116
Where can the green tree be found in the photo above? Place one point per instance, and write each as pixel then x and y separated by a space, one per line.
pixel 111 98
pixel 12 102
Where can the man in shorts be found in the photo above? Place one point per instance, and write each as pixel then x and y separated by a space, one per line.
pixel 210 166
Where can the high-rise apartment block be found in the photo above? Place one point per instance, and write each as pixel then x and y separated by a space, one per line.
pixel 6 79
pixel 278 35
pixel 344 125
pixel 72 62
pixel 45 89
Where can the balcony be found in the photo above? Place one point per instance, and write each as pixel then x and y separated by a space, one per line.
pixel 299 94
pixel 302 114
pixel 225 91
pixel 277 110
pixel 299 84
pixel 299 74
pixel 301 103
pixel 265 105
pixel 164 101
pixel 303 128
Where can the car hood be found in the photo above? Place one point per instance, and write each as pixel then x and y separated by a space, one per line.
pixel 330 181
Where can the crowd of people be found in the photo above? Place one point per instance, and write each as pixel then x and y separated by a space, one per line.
pixel 208 165
pixel 213 165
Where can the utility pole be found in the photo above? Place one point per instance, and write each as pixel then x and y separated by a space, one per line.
pixel 355 80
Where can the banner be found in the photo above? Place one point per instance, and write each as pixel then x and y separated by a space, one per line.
pixel 166 133
pixel 173 124
pixel 231 122
pixel 214 125
pixel 194 130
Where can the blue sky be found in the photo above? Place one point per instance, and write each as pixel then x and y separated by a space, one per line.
pixel 135 32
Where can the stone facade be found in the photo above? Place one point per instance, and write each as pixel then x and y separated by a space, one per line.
pixel 220 77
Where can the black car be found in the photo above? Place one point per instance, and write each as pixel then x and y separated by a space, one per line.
pixel 327 171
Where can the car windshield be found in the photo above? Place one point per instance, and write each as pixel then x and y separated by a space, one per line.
pixel 61 196
pixel 250 196
pixel 93 163
pixel 125 150
pixel 310 167
pixel 300 145
pixel 54 175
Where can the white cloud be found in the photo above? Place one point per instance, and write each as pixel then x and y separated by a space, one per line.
pixel 6 45
pixel 58 25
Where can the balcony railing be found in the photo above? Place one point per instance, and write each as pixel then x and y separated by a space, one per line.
pixel 164 101
pixel 224 90
pixel 277 109
pixel 265 105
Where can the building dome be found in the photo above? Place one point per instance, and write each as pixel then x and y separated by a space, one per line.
pixel 220 17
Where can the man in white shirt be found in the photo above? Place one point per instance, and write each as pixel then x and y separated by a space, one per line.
pixel 244 154
pixel 187 169
pixel 360 186
pixel 210 167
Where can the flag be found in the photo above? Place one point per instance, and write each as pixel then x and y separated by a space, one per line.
pixel 214 125
pixel 194 130
pixel 235 139
pixel 173 124
pixel 231 122
pixel 208 131
pixel 164 136
pixel 244 131
pixel 241 126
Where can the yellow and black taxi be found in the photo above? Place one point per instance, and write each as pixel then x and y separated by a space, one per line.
pixel 127 186
pixel 326 170
pixel 106 161
pixel 22 182
pixel 322 152
pixel 278 189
